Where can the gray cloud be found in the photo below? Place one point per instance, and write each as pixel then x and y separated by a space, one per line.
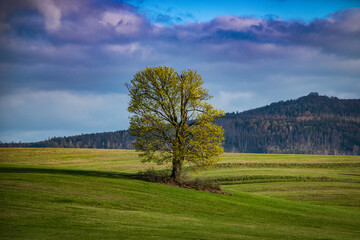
pixel 338 34
pixel 63 64
pixel 62 111
pixel 84 29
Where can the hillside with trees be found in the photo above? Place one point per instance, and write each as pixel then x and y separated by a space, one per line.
pixel 107 140
pixel 312 124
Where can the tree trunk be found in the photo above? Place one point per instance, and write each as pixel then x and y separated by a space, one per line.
pixel 176 171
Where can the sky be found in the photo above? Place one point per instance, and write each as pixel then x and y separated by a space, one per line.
pixel 64 63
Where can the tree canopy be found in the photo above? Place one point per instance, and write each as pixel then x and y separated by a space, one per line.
pixel 172 120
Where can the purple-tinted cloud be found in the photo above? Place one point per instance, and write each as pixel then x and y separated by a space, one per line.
pixel 79 22
pixel 56 24
pixel 338 34
pixel 121 20
pixel 87 34
pixel 68 51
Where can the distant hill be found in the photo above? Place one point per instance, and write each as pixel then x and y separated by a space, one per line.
pixel 111 140
pixel 312 124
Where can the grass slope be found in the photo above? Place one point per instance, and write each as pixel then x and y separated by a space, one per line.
pixel 89 194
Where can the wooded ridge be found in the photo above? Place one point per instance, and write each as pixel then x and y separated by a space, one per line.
pixel 312 124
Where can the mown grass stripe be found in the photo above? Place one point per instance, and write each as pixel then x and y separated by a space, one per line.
pixel 228 180
pixel 289 165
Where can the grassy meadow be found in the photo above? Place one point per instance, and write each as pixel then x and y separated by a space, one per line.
pixel 91 194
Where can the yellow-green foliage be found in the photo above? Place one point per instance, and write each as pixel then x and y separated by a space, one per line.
pixel 172 121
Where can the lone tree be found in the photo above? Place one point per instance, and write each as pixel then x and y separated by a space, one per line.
pixel 172 121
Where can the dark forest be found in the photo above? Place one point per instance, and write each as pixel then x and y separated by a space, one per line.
pixel 312 124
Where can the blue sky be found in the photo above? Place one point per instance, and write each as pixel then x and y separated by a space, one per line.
pixel 206 10
pixel 64 63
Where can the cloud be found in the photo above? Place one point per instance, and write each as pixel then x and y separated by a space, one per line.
pixel 51 13
pixel 3 27
pixel 230 101
pixel 63 63
pixel 75 22
pixel 123 22
pixel 339 34
pixel 38 111
pixel 236 24
pixel 87 23
pixel 47 8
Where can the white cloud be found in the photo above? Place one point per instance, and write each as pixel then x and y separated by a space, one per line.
pixel 123 48
pixel 232 101
pixel 51 13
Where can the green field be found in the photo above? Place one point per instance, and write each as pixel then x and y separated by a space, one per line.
pixel 91 194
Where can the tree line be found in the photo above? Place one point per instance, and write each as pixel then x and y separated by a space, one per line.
pixel 312 124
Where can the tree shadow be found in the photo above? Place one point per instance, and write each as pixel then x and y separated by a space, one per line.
pixel 155 176
pixel 90 173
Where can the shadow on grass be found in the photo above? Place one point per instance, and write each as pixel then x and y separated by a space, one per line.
pixel 156 176
pixel 90 173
